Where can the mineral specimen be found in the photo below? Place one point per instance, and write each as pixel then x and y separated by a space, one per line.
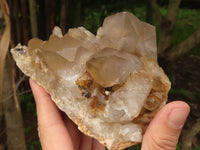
pixel 110 84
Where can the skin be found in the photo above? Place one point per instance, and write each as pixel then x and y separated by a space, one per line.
pixel 57 131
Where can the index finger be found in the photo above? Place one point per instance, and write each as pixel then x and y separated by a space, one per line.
pixel 52 130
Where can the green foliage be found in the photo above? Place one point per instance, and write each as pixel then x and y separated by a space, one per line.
pixel 172 77
pixel 163 11
pixel 26 102
pixel 93 19
pixel 140 12
pixel 135 147
pixel 25 97
pixel 27 130
pixel 185 93
pixel 31 143
pixel 34 144
pixel 178 147
pixel 188 21
pixel 182 92
pixel 94 16
pixel 197 147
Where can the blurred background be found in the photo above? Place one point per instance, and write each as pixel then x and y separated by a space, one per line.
pixel 178 37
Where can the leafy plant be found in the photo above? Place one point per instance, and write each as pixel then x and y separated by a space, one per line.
pixel 184 93
pixel 26 101
pixel 33 145
pixel 135 147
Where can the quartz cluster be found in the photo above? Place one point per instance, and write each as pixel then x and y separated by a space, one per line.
pixel 110 84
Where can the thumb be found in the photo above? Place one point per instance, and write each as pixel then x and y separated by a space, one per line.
pixel 164 130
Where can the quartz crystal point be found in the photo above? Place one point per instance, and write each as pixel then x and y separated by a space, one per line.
pixel 110 84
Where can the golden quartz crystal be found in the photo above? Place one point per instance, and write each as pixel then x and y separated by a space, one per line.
pixel 110 84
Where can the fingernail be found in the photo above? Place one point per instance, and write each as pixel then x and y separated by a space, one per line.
pixel 177 117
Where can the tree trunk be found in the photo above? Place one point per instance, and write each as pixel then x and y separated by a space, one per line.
pixel 52 15
pixel 25 21
pixel 64 15
pixel 49 17
pixel 167 26
pixel 47 21
pixel 4 44
pixel 155 10
pixel 13 117
pixel 75 13
pixel 41 20
pixel 165 36
pixel 172 11
pixel 184 46
pixel 33 17
pixel 15 23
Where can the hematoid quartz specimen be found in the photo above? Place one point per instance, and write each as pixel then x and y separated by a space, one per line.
pixel 110 84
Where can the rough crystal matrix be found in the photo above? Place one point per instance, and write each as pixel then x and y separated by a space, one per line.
pixel 110 84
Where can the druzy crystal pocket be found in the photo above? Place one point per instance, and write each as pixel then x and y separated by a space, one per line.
pixel 110 84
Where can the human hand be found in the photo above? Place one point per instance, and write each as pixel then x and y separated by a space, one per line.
pixel 58 132
pixel 164 130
